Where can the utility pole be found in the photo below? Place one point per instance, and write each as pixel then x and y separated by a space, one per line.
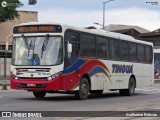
pixel 104 12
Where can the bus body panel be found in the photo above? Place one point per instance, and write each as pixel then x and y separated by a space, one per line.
pixel 97 81
pixel 147 78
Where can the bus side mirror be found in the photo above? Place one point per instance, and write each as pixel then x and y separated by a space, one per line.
pixel 69 48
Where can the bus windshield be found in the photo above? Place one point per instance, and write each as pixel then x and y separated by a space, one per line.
pixel 46 50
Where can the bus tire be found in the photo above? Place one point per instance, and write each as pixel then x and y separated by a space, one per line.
pixel 39 94
pixel 131 88
pixel 98 92
pixel 83 91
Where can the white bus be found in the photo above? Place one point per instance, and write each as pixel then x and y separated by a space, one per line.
pixel 156 63
pixel 57 58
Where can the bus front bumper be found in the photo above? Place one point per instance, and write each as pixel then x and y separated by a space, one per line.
pixel 37 84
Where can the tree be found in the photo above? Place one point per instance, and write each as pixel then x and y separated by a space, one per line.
pixel 8 11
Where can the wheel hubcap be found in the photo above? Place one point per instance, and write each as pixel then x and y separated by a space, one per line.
pixel 84 89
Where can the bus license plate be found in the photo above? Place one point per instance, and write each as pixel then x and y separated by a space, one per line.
pixel 31 85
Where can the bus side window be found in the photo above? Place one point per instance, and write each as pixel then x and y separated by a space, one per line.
pixel 149 54
pixel 73 38
pixel 102 48
pixel 88 46
pixel 114 49
pixel 124 50
pixel 133 52
pixel 141 53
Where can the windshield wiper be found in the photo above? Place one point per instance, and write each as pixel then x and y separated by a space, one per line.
pixel 29 47
pixel 25 41
pixel 44 46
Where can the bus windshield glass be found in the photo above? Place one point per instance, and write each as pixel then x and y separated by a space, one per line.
pixel 32 51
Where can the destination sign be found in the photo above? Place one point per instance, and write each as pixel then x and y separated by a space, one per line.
pixel 37 29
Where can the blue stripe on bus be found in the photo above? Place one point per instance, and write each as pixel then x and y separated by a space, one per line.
pixel 97 69
pixel 74 67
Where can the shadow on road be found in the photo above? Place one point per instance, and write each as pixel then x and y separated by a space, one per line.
pixel 71 97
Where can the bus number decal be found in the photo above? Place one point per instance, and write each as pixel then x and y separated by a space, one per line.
pixel 122 68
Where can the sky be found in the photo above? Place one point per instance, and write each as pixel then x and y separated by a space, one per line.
pixel 83 13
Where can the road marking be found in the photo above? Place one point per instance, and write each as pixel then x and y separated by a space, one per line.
pixel 148 90
pixel 155 92
pixel 122 108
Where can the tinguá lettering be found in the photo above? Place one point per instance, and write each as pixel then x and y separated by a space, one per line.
pixel 122 68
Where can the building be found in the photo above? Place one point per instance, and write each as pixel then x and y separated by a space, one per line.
pixel 131 30
pixel 90 27
pixel 153 37
pixel 115 27
pixel 6 29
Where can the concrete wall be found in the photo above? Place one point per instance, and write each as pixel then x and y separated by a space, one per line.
pixel 6 28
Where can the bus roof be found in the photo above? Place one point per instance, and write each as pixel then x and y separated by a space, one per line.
pixel 92 31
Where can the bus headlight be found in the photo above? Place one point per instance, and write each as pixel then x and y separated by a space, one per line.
pixel 13 75
pixel 49 78
pixel 54 76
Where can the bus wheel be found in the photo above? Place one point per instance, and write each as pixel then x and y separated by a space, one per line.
pixel 98 92
pixel 39 94
pixel 131 88
pixel 82 94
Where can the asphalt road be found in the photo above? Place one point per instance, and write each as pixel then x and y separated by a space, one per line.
pixel 145 99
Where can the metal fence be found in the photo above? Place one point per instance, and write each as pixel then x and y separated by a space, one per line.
pixel 5 63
